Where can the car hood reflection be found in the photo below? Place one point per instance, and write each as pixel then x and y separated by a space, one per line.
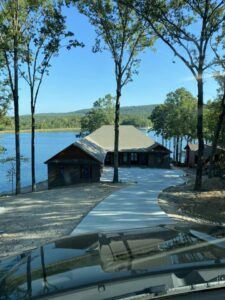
pixel 93 259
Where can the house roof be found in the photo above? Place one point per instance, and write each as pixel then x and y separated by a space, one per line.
pixel 130 139
pixel 92 149
pixel 207 148
pixel 101 141
pixel 192 147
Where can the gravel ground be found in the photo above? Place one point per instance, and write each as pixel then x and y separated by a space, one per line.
pixel 184 204
pixel 31 219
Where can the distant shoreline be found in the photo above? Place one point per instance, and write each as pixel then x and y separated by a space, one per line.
pixel 42 130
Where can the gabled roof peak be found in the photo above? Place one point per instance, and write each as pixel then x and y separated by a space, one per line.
pixel 129 138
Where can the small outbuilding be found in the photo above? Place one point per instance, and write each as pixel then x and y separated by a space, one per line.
pixel 83 160
pixel 191 156
pixel 78 163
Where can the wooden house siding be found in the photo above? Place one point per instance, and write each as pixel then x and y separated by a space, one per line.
pixel 159 160
pixel 150 159
pixel 191 156
pixel 71 166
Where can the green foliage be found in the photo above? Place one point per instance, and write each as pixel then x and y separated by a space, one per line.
pixel 106 104
pixel 2 149
pixel 133 115
pixel 177 116
pixel 45 122
pixel 212 112
pixel 141 110
pixel 135 120
pixel 102 113
pixel 158 118
pixel 5 98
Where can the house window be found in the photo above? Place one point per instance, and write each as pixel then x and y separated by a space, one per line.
pixel 125 157
pixel 134 157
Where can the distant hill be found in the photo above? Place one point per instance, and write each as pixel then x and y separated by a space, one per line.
pixel 133 115
pixel 144 110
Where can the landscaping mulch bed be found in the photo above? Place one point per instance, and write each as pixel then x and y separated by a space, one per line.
pixel 208 206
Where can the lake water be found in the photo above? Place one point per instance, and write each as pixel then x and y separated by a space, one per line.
pixel 47 145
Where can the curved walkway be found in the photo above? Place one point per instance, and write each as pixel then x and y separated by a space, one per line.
pixel 134 206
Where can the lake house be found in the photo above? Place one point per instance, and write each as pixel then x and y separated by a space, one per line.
pixel 83 160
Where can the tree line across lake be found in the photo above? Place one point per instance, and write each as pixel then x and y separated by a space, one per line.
pixel 130 115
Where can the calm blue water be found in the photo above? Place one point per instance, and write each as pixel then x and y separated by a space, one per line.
pixel 47 145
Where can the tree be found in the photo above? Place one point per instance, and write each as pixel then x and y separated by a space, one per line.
pixel 124 37
pixel 102 113
pixel 187 27
pixel 107 104
pixel 215 121
pixel 135 120
pixel 176 118
pixel 5 98
pixel 218 48
pixel 13 16
pixel 42 42
pixel 181 114
pixel 158 119
pixel 11 172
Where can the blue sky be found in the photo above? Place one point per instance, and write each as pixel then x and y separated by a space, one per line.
pixel 79 77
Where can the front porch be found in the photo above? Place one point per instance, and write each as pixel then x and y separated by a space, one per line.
pixel 148 159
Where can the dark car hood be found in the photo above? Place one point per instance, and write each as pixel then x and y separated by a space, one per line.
pixel 93 259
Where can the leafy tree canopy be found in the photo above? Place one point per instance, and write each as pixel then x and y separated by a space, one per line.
pixel 177 116
pixel 102 113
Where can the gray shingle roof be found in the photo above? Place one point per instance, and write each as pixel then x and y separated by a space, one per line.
pixel 207 148
pixel 101 141
pixel 92 149
pixel 193 147
pixel 130 138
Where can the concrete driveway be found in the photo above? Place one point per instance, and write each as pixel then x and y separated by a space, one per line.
pixel 134 206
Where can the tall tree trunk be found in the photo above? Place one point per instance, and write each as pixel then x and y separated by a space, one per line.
pixel 177 149
pixel 180 150
pixel 33 179
pixel 116 127
pixel 174 148
pixel 17 144
pixel 16 112
pixel 216 135
pixel 198 179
